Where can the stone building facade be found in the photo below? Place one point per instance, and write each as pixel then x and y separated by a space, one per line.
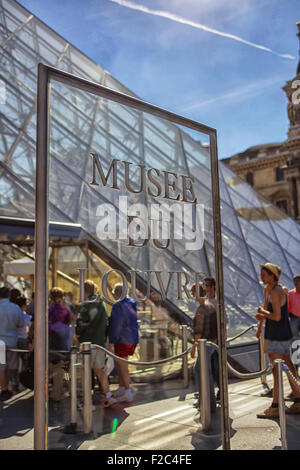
pixel 274 169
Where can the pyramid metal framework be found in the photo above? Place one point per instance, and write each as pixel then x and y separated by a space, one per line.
pixel 253 230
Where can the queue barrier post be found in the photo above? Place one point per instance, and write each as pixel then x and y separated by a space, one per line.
pixel 87 388
pixel 279 363
pixel 205 410
pixel 185 357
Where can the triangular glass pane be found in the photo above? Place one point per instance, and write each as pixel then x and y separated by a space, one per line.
pixel 237 322
pixel 236 251
pixel 244 210
pixel 230 220
pixel 269 250
pixel 288 240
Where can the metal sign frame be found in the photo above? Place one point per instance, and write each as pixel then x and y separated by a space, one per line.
pixel 47 74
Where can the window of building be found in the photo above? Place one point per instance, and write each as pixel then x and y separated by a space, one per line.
pixel 279 174
pixel 282 205
pixel 249 178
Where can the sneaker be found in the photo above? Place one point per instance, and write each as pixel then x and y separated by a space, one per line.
pixel 5 395
pixel 109 402
pixel 267 393
pixel 269 413
pixel 118 393
pixel 126 397
pixel 294 409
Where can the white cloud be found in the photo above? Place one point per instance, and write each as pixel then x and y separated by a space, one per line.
pixel 238 94
pixel 179 19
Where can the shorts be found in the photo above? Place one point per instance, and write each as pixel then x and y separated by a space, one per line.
pixel 11 361
pixel 279 347
pixel 97 359
pixel 124 350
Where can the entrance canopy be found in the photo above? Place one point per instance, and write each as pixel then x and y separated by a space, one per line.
pixel 19 267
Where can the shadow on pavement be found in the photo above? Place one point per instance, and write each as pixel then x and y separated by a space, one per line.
pixel 212 438
pixel 16 416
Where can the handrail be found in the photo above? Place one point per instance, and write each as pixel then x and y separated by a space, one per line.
pixel 241 375
pixel 242 333
pixel 136 363
pixel 31 350
pixel 234 337
pixel 117 358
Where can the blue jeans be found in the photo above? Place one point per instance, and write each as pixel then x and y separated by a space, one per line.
pixel 197 378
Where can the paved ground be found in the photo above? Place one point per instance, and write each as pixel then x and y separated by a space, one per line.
pixel 162 417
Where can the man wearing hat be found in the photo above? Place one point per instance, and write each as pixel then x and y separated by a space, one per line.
pixel 278 333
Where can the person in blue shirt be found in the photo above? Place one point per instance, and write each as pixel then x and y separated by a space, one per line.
pixel 123 337
pixel 11 318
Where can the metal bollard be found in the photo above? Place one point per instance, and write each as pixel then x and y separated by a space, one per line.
pixel 81 283
pixel 87 389
pixel 73 388
pixel 263 361
pixel 279 364
pixel 204 385
pixel 72 427
pixel 185 369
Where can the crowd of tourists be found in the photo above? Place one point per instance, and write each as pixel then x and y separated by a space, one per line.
pixel 68 324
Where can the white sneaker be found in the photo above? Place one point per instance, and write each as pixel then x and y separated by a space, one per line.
pixel 109 401
pixel 126 397
pixel 118 393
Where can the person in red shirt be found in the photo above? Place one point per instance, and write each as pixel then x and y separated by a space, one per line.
pixel 294 308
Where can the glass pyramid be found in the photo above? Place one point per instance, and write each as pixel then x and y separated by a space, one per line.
pixel 253 231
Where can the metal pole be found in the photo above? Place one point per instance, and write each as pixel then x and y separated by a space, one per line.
pixel 41 267
pixel 81 283
pixel 279 364
pixel 220 293
pixel 87 389
pixel 263 361
pixel 185 357
pixel 54 266
pixel 73 367
pixel 204 385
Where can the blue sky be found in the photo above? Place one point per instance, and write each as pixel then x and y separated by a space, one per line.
pixel 222 63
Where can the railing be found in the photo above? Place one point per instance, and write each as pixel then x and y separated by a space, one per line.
pixel 262 355
pixel 242 375
pixel 242 333
pixel 85 350
pixel 159 342
pixel 203 375
pixel 204 379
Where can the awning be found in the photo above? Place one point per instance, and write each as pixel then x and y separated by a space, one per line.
pixel 19 267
